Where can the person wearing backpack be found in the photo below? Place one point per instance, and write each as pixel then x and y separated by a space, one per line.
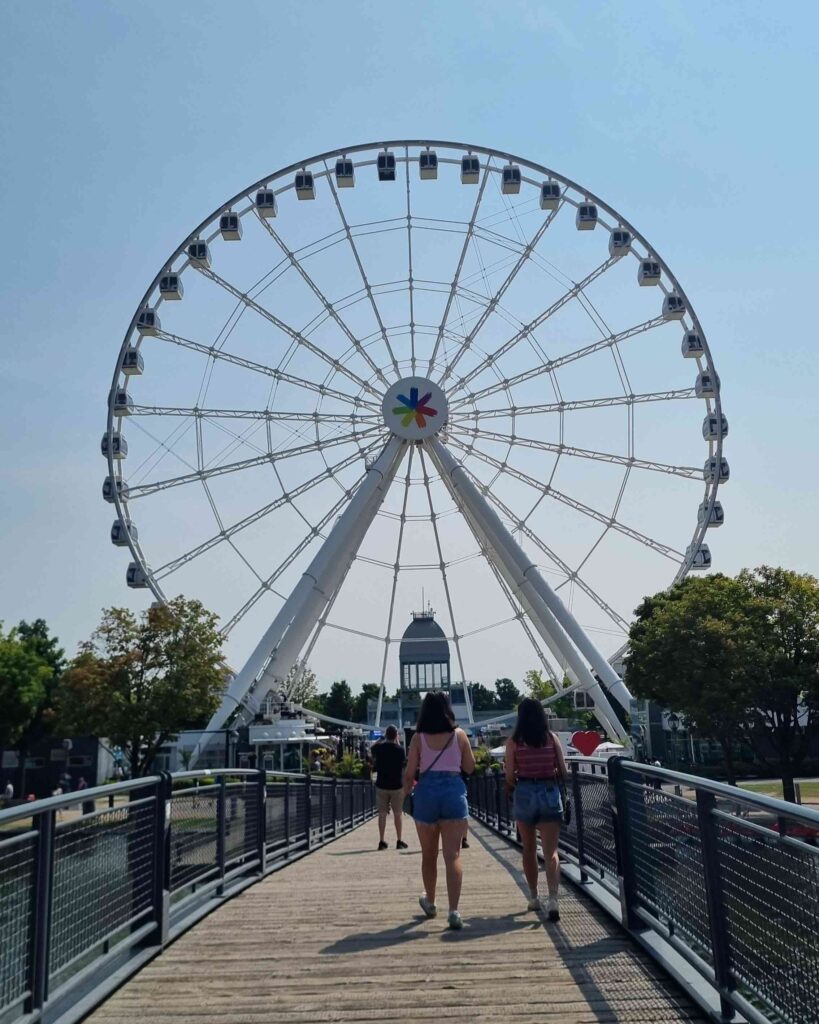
pixel 438 753
pixel 535 769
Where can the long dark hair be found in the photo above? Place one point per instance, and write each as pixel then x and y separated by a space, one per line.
pixel 436 714
pixel 532 726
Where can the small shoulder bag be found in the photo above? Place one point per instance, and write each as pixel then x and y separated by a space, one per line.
pixel 409 800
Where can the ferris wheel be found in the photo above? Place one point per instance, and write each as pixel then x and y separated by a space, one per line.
pixel 415 364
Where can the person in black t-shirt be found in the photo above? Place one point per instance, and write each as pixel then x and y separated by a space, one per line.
pixel 389 759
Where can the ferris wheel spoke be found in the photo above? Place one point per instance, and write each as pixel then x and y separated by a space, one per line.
pixel 294 335
pixel 527 329
pixel 585 403
pixel 396 567
pixel 550 365
pixel 367 287
pixel 410 282
pixel 328 306
pixel 456 639
pixel 271 415
pixel 688 472
pixel 470 230
pixel 286 498
pixel 268 371
pixel 266 585
pixel 490 307
pixel 235 467
pixel 578 506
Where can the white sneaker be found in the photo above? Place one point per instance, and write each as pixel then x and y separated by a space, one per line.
pixel 552 910
pixel 428 908
pixel 454 921
pixel 534 903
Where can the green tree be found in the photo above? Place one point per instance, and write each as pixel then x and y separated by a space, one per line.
pixel 509 696
pixel 138 682
pixel 482 698
pixel 339 703
pixel 23 679
pixel 301 683
pixel 538 687
pixel 369 691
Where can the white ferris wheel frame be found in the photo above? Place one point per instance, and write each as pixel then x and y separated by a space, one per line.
pixel 287 642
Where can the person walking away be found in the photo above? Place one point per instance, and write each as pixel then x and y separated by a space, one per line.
pixel 87 805
pixel 389 759
pixel 8 792
pixel 534 766
pixel 438 753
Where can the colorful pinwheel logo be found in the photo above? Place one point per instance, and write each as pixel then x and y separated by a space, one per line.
pixel 414 408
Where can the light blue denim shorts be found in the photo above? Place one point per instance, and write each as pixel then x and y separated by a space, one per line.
pixel 537 802
pixel 440 796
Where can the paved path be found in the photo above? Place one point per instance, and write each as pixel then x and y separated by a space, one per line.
pixel 339 937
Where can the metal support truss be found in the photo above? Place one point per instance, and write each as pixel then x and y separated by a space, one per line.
pixel 552 619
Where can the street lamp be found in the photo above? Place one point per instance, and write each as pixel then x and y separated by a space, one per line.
pixel 674 725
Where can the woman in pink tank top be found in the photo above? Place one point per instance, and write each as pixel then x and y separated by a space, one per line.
pixel 437 755
pixel 534 767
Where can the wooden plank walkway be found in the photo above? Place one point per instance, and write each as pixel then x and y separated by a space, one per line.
pixel 339 937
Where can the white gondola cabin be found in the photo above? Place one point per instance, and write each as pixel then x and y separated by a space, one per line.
pixel 648 272
pixel 123 403
pixel 510 180
pixel 386 166
pixel 709 471
pixel 345 173
pixel 136 577
pixel 586 217
pixel 692 347
pixel 700 557
pixel 121 530
pixel 170 287
pixel 549 195
pixel 619 243
pixel 112 485
pixel 673 307
pixel 470 169
pixel 266 203
pixel 119 446
pixel 305 185
pixel 714 427
pixel 230 225
pixel 147 321
pixel 199 253
pixel 132 362
pixel 717 516
pixel 706 384
pixel 428 165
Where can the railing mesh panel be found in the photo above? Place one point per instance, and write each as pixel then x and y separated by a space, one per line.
pixel 194 826
pixel 668 864
pixel 771 896
pixel 17 880
pixel 598 834
pixel 241 825
pixel 103 877
pixel 274 813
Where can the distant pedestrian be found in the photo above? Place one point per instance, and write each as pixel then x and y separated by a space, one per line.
pixel 389 760
pixel 534 767
pixel 119 774
pixel 438 754
pixel 87 805
pixel 8 792
pixel 657 783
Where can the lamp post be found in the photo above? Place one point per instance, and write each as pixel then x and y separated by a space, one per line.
pixel 674 725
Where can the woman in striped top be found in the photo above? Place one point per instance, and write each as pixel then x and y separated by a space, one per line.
pixel 534 767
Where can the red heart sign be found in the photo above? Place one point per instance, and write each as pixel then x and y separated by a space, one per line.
pixel 586 742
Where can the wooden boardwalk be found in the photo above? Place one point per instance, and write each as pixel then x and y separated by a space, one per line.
pixel 339 937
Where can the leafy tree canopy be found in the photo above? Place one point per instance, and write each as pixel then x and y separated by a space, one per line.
pixel 339 701
pixel 509 696
pixel 483 699
pixel 139 681
pixel 369 691
pixel 25 676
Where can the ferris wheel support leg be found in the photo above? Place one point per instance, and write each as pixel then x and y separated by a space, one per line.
pixel 279 648
pixel 524 577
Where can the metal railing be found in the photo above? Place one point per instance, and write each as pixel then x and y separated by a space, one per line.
pixel 93 884
pixel 719 884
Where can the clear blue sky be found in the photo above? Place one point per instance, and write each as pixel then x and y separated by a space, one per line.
pixel 124 123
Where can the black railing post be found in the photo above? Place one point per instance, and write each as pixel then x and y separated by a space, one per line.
pixel 161 897
pixel 335 806
pixel 498 800
pixel 321 810
pixel 308 810
pixel 352 805
pixel 623 846
pixel 261 818
pixel 577 800
pixel 41 902
pixel 720 942
pixel 286 815
pixel 221 831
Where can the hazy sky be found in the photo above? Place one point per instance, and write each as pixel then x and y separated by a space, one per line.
pixel 124 123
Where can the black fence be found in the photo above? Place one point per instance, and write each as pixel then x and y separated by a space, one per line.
pixel 718 883
pixel 96 883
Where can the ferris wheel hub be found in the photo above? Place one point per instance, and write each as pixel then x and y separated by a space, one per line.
pixel 415 408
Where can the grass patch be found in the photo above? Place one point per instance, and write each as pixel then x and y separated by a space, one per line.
pixel 810 790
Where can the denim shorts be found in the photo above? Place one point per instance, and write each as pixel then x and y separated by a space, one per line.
pixel 537 802
pixel 440 796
